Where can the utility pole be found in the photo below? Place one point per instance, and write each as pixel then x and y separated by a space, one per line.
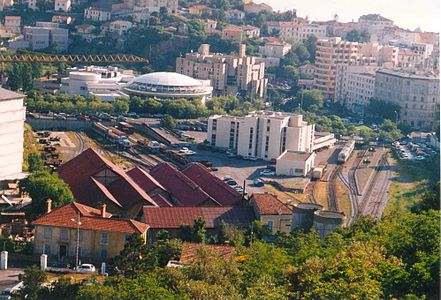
pixel 396 117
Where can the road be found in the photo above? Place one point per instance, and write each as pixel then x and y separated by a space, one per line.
pixel 9 278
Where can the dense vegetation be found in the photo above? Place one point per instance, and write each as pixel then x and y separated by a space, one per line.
pixel 397 257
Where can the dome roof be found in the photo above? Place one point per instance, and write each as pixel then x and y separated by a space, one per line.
pixel 167 79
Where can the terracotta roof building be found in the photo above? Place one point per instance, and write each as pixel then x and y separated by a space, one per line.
pixel 94 180
pixel 213 185
pixel 171 218
pixel 272 211
pixel 101 236
pixel 184 191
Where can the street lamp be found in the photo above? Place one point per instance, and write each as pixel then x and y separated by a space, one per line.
pixel 396 117
pixel 77 251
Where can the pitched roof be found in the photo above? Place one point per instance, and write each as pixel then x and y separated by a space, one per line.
pixel 174 217
pixel 145 181
pixel 180 186
pixel 81 174
pixel 190 251
pixel 90 219
pixel 9 95
pixel 268 204
pixel 212 185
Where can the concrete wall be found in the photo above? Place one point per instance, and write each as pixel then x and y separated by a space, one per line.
pixel 280 223
pixel 298 167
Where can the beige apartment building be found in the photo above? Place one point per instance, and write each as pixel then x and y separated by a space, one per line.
pixel 330 53
pixel 262 134
pixel 229 74
pixel 417 95
pixel 296 31
pixel 355 86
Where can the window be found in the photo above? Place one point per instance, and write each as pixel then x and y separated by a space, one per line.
pixel 47 249
pixel 47 233
pixel 298 170
pixel 270 225
pixel 64 234
pixel 104 237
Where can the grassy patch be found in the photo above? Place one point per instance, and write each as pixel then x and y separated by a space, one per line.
pixel 344 204
pixel 31 145
pixel 321 193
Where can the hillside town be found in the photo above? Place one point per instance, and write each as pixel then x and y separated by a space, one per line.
pixel 165 149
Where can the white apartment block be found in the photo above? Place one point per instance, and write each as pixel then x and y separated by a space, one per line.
pixel 45 33
pixel 355 86
pixel 373 23
pixel 120 27
pixel 63 5
pixel 12 21
pixel 275 49
pixel 261 134
pixel 12 117
pixel 297 32
pixel 331 52
pixel 97 14
pixel 417 95
pixel 229 74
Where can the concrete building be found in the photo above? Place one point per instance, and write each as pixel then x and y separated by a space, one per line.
pixel 97 14
pixel 307 69
pixel 355 86
pixel 297 31
pixel 12 117
pixel 155 5
pixel 417 95
pixel 330 53
pixel 275 49
pixel 63 5
pixel 106 83
pixel 100 238
pixel 6 3
pixel 44 34
pixel 13 21
pixel 295 163
pixel 272 212
pixel 229 74
pixel 239 33
pixel 234 15
pixel 120 27
pixel 261 134
pixel 170 85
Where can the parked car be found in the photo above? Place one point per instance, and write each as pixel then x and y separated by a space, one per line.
pixel 259 182
pixel 253 158
pixel 227 178
pixel 267 172
pixel 231 182
pixel 86 268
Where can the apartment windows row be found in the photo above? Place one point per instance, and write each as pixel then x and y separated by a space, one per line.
pixel 64 235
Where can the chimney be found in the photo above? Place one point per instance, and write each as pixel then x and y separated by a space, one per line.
pixel 48 205
pixel 242 50
pixel 103 210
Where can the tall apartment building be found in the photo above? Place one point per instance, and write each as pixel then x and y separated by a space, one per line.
pixel 229 74
pixel 355 86
pixel 12 117
pixel 45 34
pixel 331 52
pixel 417 95
pixel 296 31
pixel 262 134
pixel 63 5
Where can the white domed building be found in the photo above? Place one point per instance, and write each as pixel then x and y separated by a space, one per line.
pixel 169 85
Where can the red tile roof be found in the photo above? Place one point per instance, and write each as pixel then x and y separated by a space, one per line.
pixel 180 186
pixel 144 179
pixel 268 204
pixel 174 217
pixel 90 219
pixel 84 171
pixel 190 251
pixel 212 185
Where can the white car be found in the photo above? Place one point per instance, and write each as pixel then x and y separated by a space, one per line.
pixel 267 172
pixel 86 268
pixel 253 158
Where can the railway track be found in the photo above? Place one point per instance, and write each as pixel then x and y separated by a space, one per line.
pixel 310 191
pixel 81 142
pixel 332 195
pixel 381 194
pixel 375 194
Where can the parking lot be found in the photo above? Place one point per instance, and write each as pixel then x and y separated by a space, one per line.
pixel 413 151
